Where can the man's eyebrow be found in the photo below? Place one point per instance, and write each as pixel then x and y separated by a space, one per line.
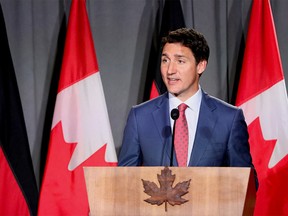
pixel 180 56
pixel 176 55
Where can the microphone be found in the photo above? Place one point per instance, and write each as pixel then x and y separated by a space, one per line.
pixel 174 115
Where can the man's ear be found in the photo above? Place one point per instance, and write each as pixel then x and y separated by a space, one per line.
pixel 201 67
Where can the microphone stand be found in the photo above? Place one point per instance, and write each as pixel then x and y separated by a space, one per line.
pixel 174 116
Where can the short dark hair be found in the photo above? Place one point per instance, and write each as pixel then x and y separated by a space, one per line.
pixel 189 38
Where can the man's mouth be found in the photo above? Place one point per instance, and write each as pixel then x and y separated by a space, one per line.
pixel 172 80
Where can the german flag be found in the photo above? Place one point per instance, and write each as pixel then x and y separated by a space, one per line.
pixel 18 188
pixel 172 19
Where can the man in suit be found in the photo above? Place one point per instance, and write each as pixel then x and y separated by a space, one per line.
pixel 217 132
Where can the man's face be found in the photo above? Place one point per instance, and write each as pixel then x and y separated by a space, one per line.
pixel 179 70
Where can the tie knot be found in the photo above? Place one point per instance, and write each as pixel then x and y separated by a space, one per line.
pixel 182 107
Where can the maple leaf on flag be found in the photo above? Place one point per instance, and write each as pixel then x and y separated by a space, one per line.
pixel 78 122
pixel 272 181
pixel 166 192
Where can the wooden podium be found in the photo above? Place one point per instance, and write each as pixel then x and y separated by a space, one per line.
pixel 212 191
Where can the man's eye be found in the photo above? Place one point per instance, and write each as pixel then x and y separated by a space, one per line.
pixel 164 60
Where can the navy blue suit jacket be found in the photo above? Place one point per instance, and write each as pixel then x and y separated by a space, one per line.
pixel 221 137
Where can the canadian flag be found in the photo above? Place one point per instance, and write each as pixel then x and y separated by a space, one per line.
pixel 262 95
pixel 81 133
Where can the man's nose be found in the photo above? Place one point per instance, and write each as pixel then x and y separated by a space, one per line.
pixel 171 68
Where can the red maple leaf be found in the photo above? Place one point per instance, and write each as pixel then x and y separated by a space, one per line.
pixel 69 185
pixel 272 194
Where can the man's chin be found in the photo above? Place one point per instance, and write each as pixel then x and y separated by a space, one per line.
pixel 176 94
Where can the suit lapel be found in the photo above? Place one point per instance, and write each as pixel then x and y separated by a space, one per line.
pixel 206 122
pixel 162 122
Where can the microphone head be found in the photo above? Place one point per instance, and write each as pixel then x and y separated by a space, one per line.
pixel 174 114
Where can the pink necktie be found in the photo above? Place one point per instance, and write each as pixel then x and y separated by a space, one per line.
pixel 181 137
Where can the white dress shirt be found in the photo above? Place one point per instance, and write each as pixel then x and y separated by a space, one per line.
pixel 192 114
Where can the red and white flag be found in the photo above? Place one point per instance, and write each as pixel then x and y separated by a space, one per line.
pixel 81 133
pixel 263 96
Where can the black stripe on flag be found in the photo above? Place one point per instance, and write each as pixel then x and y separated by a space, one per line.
pixel 13 135
pixel 172 19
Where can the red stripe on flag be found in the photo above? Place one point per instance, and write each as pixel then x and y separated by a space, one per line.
pixel 73 69
pixel 12 199
pixel 261 55
pixel 154 91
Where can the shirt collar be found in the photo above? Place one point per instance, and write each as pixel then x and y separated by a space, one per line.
pixel 193 102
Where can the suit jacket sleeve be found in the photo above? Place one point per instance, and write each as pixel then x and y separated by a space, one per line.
pixel 130 154
pixel 238 151
pixel 239 148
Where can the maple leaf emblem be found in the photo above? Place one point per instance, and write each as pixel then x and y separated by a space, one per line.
pixel 166 192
